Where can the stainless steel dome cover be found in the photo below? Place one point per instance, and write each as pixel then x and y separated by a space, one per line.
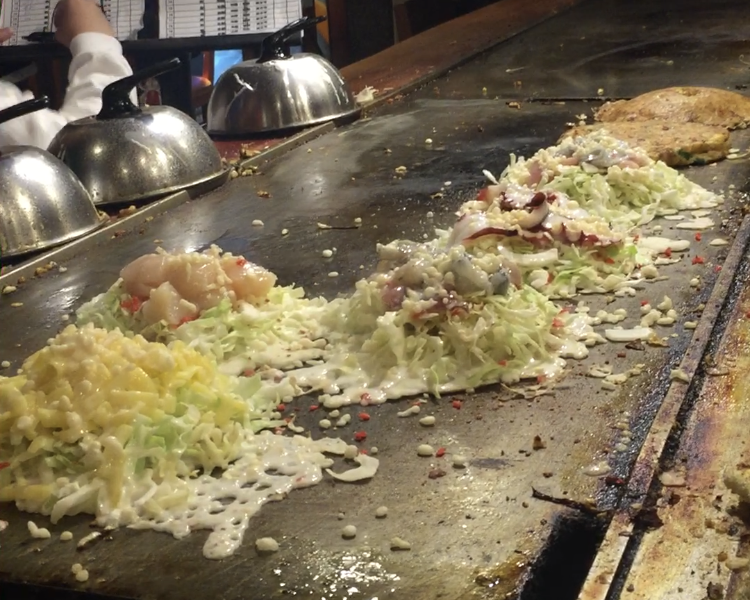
pixel 42 203
pixel 279 91
pixel 130 154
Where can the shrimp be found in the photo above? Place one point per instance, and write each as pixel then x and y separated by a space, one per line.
pixel 199 279
pixel 144 274
pixel 248 280
pixel 179 287
pixel 166 304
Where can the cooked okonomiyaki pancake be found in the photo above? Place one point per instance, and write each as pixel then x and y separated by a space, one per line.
pixel 676 144
pixel 708 106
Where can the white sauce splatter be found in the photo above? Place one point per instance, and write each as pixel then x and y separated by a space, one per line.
pixel 270 467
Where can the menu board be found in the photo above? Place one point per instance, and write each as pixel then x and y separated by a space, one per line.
pixel 192 18
pixel 30 16
pixel 125 16
pixel 177 18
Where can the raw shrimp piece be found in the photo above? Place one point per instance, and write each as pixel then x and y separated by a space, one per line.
pixel 199 279
pixel 490 193
pixel 393 295
pixel 144 274
pixel 166 304
pixel 248 280
pixel 513 272
pixel 179 287
pixel 412 274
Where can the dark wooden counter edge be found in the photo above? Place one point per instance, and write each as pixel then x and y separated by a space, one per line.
pixel 435 51
pixel 428 55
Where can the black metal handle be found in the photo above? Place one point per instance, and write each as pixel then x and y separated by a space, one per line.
pixel 273 46
pixel 23 109
pixel 40 37
pixel 116 96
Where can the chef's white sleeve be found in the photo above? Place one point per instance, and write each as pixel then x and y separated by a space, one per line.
pixel 97 61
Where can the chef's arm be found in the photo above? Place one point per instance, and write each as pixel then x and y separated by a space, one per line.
pixel 82 26
pixel 97 62
pixel 36 129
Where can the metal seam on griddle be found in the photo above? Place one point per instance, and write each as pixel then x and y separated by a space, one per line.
pixel 726 330
pixel 609 559
pixel 574 99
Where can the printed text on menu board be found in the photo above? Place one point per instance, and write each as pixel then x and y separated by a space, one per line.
pixel 25 17
pixel 177 18
pixel 194 18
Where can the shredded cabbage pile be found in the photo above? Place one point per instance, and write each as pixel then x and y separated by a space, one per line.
pixel 565 270
pixel 610 179
pixel 597 185
pixel 502 338
pixel 283 332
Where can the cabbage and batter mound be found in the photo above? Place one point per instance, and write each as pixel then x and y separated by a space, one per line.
pixel 674 143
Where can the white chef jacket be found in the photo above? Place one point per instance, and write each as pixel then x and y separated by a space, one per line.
pixel 97 62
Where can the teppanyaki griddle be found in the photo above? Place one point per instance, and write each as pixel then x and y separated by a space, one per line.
pixel 473 532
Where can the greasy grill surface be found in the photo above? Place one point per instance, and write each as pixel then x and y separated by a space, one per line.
pixel 619 50
pixel 704 527
pixel 473 532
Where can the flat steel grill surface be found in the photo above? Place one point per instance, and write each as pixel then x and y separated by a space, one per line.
pixel 617 49
pixel 474 532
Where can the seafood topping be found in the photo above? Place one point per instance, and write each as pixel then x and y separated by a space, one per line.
pixel 528 208
pixel 438 281
pixel 175 288
pixel 581 151
pixel 541 218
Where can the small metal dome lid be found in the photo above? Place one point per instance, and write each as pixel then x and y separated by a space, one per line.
pixel 279 91
pixel 130 154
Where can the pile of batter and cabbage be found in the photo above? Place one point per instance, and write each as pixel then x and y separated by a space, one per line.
pixel 160 407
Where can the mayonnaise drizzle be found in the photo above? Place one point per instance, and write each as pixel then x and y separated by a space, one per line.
pixel 271 466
